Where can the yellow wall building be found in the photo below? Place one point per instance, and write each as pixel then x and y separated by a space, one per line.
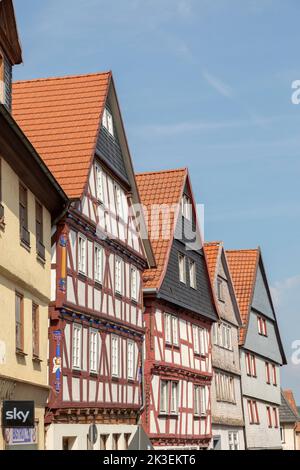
pixel 30 200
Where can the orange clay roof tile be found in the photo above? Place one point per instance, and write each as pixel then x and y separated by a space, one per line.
pixel 289 396
pixel 162 187
pixel 61 117
pixel 212 250
pixel 243 268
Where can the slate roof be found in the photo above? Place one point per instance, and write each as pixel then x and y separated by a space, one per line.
pixel 62 117
pixel 287 413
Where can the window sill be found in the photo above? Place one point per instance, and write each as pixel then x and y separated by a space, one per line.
pixel 21 353
pixel 200 417
pixel 114 378
pixel 172 346
pixel 93 373
pixel 40 259
pixel 98 284
pixel 37 359
pixel 76 370
pixel 81 275
pixel 25 245
pixel 118 295
pixel 168 415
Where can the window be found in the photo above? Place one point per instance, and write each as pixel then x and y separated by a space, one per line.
pixel 220 287
pixel 103 441
pixel 223 335
pixel 186 207
pixel 19 312
pixel 171 329
pixel 35 331
pixel 94 350
pixel 133 282
pixel 274 375
pixel 282 435
pixel 182 269
pixel 275 414
pixel 81 254
pixel 115 356
pixel 262 326
pixel 39 229
pixel 127 437
pixel 130 359
pixel 200 400
pixel 77 346
pixel 118 275
pixel 250 365
pixel 107 121
pixel 98 263
pixel 200 343
pixel 23 214
pixel 164 402
pixel 99 183
pixel 268 375
pixel 115 441
pixel 269 417
pixel 118 198
pixel 253 412
pixel 233 440
pixel 225 388
pixel 192 273
pixel 174 397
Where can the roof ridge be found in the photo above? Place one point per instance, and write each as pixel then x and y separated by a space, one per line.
pixel 244 250
pixel 173 170
pixel 62 77
pixel 214 243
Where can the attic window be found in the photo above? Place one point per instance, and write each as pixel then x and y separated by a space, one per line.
pixel 186 208
pixel 107 121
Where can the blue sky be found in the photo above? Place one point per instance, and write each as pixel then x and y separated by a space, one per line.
pixel 204 84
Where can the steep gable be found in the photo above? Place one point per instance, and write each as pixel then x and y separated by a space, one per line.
pixel 261 298
pixel 9 39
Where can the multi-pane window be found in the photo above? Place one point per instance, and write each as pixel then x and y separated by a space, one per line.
pixel 200 340
pixel 133 282
pixel 268 374
pixel 81 254
pixel 39 229
pixel 115 345
pixel 274 370
pixel 192 273
pixel 94 350
pixel 225 387
pixel 98 263
pixel 182 267
pixel 99 183
pixel 250 365
pixel 119 204
pixel 186 207
pixel 220 288
pixel 253 412
pixel 76 346
pixel 200 408
pixel 233 440
pixel 130 359
pixel 262 326
pixel 118 275
pixel 171 329
pixel 168 397
pixel 35 331
pixel 222 335
pixel 269 416
pixel 23 215
pixel 107 121
pixel 19 322
pixel 275 414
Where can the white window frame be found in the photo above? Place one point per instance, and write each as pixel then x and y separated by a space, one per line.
pixel 94 362
pixel 107 121
pixel 171 329
pixel 193 273
pixel 119 274
pixel 133 283
pixel 82 253
pixel 115 358
pixel 99 183
pixel 200 340
pixel 118 200
pixel 203 396
pixel 186 207
pixel 220 289
pixel 233 440
pixel 77 354
pixel 98 271
pixel 130 360
pixel 182 267
pixel 164 397
pixel 174 397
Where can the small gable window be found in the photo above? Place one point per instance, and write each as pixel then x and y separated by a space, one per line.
pixel 99 183
pixel 192 272
pixel 182 268
pixel 262 326
pixel 220 286
pixel 107 121
pixel 186 207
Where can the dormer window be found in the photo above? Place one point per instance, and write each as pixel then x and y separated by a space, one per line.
pixel 186 207
pixel 107 121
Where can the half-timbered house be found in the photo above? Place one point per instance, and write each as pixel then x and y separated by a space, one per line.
pixel 227 407
pixel 261 350
pixel 179 313
pixel 96 316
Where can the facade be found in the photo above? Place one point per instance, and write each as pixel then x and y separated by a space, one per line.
pixel 30 198
pixel 179 313
pixel 227 407
pixel 98 257
pixel 261 350
pixel 289 419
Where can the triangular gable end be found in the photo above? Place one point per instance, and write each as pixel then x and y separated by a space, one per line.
pixel 9 38
pixel 261 298
pixel 225 268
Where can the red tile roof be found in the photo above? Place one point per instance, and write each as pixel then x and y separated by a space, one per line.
pixel 157 188
pixel 289 396
pixel 212 250
pixel 62 117
pixel 243 267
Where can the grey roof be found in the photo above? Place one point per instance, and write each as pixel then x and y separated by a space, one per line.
pixel 286 413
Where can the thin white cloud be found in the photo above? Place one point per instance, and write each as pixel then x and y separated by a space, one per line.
pixel 283 288
pixel 219 85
